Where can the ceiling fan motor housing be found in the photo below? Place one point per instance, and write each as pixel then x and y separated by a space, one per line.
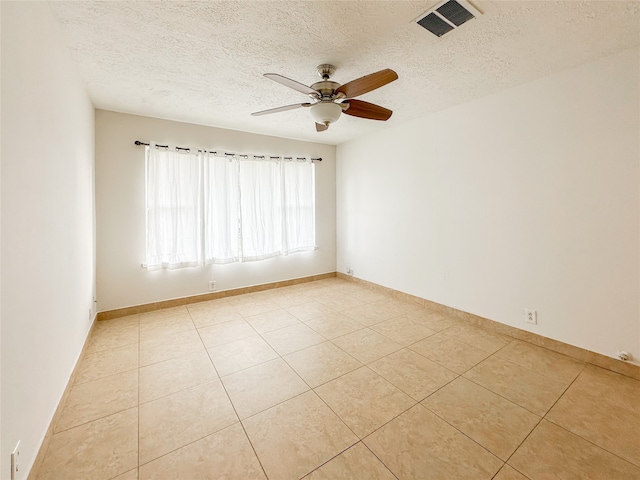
pixel 326 88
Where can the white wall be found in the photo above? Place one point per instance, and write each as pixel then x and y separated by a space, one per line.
pixel 48 266
pixel 120 212
pixel 525 198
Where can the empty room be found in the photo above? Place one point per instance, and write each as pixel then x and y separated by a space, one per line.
pixel 318 239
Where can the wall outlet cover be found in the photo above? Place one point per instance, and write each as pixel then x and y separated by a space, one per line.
pixel 530 316
pixel 15 461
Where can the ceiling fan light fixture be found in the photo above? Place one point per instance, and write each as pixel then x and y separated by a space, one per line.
pixel 326 113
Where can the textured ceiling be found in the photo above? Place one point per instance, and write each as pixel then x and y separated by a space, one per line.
pixel 202 62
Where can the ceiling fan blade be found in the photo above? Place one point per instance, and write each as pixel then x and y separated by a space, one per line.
pixel 282 109
pixel 358 108
pixel 365 84
pixel 321 128
pixel 287 82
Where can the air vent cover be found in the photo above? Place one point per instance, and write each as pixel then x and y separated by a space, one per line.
pixel 435 24
pixel 455 13
pixel 447 16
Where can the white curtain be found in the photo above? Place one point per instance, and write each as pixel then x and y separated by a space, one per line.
pixel 221 209
pixel 173 208
pixel 261 209
pixel 298 179
pixel 204 209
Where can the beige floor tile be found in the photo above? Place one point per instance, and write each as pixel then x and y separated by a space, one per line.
pixel 335 325
pixel 415 375
pixel 393 307
pixel 356 463
pixel 98 398
pixel 604 408
pixel 325 291
pixel 257 388
pixel 286 300
pixel 403 330
pixel 226 332
pixel 604 385
pixel 98 450
pixel 171 376
pixel 218 316
pixel 368 295
pixel 166 330
pixel 364 400
pixel 297 436
pixel 434 320
pixel 449 352
pixel 419 445
pixel 130 475
pixel 108 362
pixel 212 312
pixel 303 288
pixel 340 301
pixel 164 347
pixel 372 313
pixel 522 386
pixel 551 452
pixel 189 423
pixel 226 454
pixel 115 326
pixel 492 421
pixel 156 315
pixel 307 311
pixel 252 309
pixel 106 336
pixel 163 321
pixel 173 421
pixel 265 322
pixel 235 356
pixel 292 338
pixel 542 361
pixel 320 363
pixel 366 345
pixel 509 473
pixel 476 337
pixel 350 288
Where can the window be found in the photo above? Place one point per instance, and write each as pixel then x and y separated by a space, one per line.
pixel 221 209
pixel 173 209
pixel 261 209
pixel 298 187
pixel 207 209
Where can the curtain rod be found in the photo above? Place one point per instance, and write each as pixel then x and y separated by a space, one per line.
pixel 226 154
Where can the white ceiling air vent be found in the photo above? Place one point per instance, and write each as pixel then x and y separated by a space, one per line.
pixel 447 16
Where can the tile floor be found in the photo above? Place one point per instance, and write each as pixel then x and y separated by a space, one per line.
pixel 333 380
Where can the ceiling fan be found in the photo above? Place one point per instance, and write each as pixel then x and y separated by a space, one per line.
pixel 330 99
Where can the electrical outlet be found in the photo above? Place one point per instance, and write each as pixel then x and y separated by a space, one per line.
pixel 349 271
pixel 15 461
pixel 212 286
pixel 624 356
pixel 530 316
